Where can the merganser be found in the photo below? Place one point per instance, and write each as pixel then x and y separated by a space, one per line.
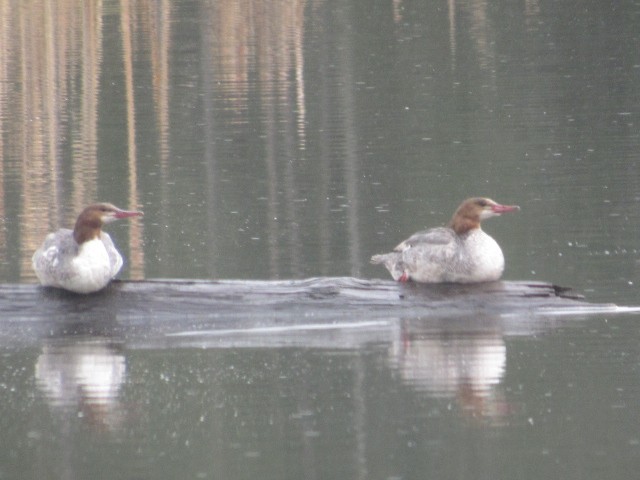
pixel 82 260
pixel 460 252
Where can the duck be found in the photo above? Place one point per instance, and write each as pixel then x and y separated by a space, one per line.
pixel 461 252
pixel 85 259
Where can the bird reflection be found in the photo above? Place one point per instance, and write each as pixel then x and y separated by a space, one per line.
pixel 85 376
pixel 451 362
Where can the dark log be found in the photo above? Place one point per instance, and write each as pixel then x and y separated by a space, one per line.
pixel 326 297
pixel 164 309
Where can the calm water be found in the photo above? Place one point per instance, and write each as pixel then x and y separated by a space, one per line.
pixel 276 140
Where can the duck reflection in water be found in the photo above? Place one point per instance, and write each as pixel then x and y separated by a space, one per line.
pixel 83 377
pixel 466 365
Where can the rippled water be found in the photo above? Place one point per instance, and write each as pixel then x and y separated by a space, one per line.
pixel 286 140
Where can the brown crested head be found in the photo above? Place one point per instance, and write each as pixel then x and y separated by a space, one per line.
pixel 473 210
pixel 91 219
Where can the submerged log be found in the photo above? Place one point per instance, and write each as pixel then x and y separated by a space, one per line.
pixel 314 297
pixel 327 312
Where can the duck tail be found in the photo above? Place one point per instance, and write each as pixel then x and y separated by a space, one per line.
pixel 378 259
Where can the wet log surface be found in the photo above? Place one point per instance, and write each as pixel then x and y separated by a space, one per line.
pixel 154 309
pixel 325 297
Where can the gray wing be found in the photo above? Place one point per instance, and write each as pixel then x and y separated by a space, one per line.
pixel 433 238
pixel 51 259
pixel 63 239
pixel 429 256
pixel 425 256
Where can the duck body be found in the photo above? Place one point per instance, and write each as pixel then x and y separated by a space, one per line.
pixel 439 255
pixel 60 262
pixel 82 260
pixel 459 253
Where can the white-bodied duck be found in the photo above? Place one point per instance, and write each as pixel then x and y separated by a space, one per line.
pixel 82 260
pixel 459 253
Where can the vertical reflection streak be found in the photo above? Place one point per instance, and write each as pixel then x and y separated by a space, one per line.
pixel 50 101
pixel 135 228
pixel 34 170
pixel 452 32
pixel 160 44
pixel 324 156
pixel 351 163
pixel 4 80
pixel 297 38
pixel 211 160
pixel 85 151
